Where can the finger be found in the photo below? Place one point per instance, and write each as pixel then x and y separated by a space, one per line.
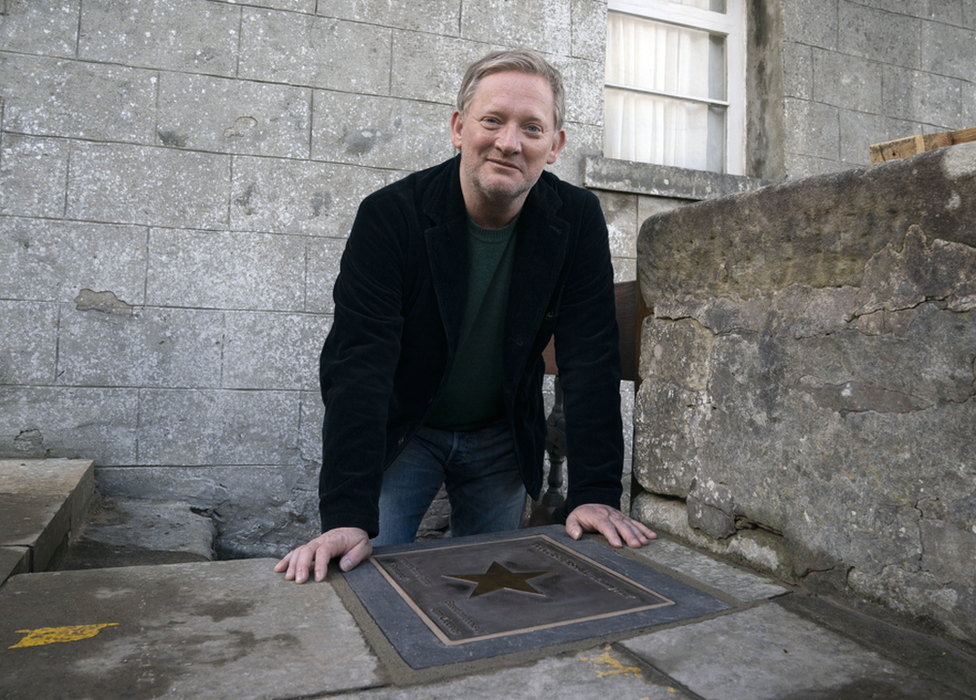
pixel 303 564
pixel 573 527
pixel 283 564
pixel 356 555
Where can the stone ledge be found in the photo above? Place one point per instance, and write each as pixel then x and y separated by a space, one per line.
pixel 662 180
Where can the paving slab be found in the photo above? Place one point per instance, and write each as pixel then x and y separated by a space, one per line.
pixel 592 674
pixel 742 585
pixel 768 653
pixel 42 502
pixel 14 560
pixel 446 602
pixel 231 629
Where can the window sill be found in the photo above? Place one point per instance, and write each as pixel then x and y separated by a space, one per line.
pixel 662 180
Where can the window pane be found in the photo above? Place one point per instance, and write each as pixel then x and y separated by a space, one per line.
pixel 712 5
pixel 663 130
pixel 663 57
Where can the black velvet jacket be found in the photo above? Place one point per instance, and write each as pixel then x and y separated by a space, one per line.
pixel 399 301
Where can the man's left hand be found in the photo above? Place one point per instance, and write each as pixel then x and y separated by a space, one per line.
pixel 609 522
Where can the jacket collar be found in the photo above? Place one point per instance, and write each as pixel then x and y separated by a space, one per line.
pixel 539 254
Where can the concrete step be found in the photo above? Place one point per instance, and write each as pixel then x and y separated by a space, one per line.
pixel 42 502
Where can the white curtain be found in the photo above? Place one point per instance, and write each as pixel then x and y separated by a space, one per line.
pixel 658 129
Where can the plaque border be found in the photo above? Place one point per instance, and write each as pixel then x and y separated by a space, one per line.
pixel 425 618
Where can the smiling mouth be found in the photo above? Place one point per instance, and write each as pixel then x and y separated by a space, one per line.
pixel 503 164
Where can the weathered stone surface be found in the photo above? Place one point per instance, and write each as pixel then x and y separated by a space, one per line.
pixel 78 100
pixel 278 195
pixel 95 423
pixel 117 183
pixel 196 427
pixel 776 655
pixel 28 342
pixel 816 375
pixel 144 33
pixel 40 28
pixel 55 260
pixel 225 270
pixel 221 115
pixel 438 17
pixel 271 43
pixel 377 131
pixel 229 629
pixel 33 176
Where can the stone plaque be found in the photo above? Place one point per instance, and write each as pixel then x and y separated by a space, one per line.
pixel 475 591
pixel 449 601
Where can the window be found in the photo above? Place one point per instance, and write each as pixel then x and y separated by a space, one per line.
pixel 675 83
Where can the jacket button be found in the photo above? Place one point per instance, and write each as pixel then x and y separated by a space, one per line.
pixel 400 441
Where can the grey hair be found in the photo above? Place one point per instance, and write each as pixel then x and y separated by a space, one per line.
pixel 520 60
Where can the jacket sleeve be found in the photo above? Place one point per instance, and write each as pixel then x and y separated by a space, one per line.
pixel 588 355
pixel 358 363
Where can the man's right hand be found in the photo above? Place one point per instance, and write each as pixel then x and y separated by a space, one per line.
pixel 350 543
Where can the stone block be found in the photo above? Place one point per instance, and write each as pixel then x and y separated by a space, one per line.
pixel 49 29
pixel 438 16
pixel 846 81
pixel 220 115
pixel 676 352
pixel 429 67
pixel 584 89
pixel 298 49
pixel 545 26
pixel 310 435
pixel 54 260
pixel 380 132
pixel 43 503
pixel 859 131
pixel 259 510
pixel 152 347
pixel 306 6
pixel 881 36
pixel 96 423
pixel 243 271
pixel 199 427
pixel 323 268
pixel 812 129
pixel 33 176
pixel 589 21
pixel 811 22
pixel 78 100
pixel 28 342
pixel 272 351
pixel 13 561
pixel 228 629
pixel 620 212
pixel 117 183
pixel 798 70
pixel 189 36
pixel 289 196
pixel 948 50
pixel 777 655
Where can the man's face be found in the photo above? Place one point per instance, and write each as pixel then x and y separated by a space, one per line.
pixel 506 137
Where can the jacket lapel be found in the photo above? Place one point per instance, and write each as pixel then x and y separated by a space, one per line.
pixel 539 255
pixel 447 251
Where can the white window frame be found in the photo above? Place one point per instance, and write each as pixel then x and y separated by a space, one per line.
pixel 730 25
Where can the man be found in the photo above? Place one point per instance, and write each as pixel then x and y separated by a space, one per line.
pixel 451 285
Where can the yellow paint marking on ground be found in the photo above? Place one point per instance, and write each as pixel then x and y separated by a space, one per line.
pixel 609 666
pixel 53 635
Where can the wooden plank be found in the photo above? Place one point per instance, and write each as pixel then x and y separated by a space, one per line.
pixel 913 145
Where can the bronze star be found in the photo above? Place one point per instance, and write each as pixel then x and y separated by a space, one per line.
pixel 498 577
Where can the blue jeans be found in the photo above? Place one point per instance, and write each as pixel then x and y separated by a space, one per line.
pixel 481 474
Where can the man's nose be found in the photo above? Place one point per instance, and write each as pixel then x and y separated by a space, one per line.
pixel 509 139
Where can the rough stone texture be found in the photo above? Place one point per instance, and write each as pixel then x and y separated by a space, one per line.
pixel 809 368
pixel 774 654
pixel 42 503
pixel 219 629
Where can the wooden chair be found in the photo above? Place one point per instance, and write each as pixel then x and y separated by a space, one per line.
pixel 630 312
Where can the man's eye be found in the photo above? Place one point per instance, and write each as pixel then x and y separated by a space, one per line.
pixel 534 129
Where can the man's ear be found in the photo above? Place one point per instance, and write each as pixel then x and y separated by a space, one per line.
pixel 456 123
pixel 557 145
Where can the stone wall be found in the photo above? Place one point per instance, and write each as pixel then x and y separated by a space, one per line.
pixel 860 72
pixel 177 179
pixel 808 395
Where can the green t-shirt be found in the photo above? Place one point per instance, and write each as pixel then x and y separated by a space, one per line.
pixel 473 396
